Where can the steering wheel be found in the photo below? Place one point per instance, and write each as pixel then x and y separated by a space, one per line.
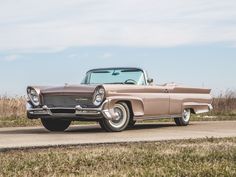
pixel 130 81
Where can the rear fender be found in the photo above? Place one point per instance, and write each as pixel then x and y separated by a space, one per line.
pixel 197 108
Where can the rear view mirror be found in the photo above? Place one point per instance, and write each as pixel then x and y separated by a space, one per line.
pixel 150 80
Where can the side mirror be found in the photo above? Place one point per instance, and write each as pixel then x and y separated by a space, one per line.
pixel 150 80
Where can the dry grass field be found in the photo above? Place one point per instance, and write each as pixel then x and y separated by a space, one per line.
pixel 12 107
pixel 225 104
pixel 13 113
pixel 203 157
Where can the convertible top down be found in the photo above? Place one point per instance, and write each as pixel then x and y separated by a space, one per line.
pixel 116 98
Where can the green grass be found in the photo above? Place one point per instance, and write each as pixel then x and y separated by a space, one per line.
pixel 18 122
pixel 25 122
pixel 204 157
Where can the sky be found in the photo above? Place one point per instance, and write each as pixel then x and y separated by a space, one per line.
pixel 53 42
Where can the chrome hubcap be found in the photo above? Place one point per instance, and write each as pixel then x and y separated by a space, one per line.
pixel 119 115
pixel 121 118
pixel 186 115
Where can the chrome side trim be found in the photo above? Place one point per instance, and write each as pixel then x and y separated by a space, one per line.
pixel 210 107
pixel 157 117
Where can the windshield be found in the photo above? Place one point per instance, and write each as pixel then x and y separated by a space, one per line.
pixel 115 76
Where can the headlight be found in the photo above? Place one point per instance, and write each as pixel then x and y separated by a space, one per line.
pixel 33 96
pixel 99 96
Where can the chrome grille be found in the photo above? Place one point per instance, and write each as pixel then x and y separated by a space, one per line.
pixel 68 101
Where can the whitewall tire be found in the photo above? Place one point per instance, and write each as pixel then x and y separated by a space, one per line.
pixel 184 120
pixel 122 120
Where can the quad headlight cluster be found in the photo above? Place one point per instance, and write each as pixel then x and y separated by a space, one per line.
pixel 99 96
pixel 33 96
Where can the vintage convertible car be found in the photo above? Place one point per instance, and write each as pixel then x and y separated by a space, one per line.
pixel 116 98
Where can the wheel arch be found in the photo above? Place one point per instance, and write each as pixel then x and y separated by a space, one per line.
pixel 135 104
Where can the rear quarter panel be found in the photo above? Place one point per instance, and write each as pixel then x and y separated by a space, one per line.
pixel 195 98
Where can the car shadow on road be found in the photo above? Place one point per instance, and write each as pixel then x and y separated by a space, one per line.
pixel 151 126
pixel 84 129
pixel 136 127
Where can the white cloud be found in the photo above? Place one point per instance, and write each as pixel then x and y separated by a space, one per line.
pixel 53 25
pixel 72 56
pixel 107 55
pixel 11 58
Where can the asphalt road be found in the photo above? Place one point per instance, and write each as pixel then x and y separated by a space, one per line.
pixel 78 135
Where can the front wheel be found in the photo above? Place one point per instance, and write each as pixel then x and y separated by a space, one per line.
pixel 184 120
pixel 121 122
pixel 56 125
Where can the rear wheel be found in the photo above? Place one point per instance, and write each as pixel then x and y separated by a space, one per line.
pixel 56 125
pixel 122 120
pixel 184 120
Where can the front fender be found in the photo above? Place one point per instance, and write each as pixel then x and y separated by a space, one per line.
pixel 137 105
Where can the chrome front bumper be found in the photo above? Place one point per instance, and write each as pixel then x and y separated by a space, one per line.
pixel 77 112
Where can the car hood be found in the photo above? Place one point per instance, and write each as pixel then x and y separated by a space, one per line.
pixel 68 89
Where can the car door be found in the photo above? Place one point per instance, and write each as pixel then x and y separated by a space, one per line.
pixel 157 101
